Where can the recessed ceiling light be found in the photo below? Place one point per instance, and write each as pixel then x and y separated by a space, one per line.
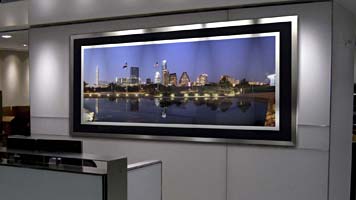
pixel 6 36
pixel 25 45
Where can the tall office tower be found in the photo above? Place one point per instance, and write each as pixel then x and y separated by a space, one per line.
pixel 97 76
pixel 134 75
pixel 165 73
pixel 157 78
pixel 165 77
pixel 173 79
pixel 202 79
pixel 184 80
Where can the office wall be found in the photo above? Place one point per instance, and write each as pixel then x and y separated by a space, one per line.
pixel 14 73
pixel 342 103
pixel 13 15
pixel 44 11
pixel 207 171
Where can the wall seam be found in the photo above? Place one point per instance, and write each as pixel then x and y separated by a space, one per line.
pixel 227 145
pixel 330 107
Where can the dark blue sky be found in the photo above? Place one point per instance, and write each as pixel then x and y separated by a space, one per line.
pixel 250 58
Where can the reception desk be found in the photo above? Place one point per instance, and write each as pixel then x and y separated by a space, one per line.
pixel 41 176
pixel 108 176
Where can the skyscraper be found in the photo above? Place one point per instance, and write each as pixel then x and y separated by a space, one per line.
pixel 184 80
pixel 134 75
pixel 134 72
pixel 165 73
pixel 157 78
pixel 97 76
pixel 165 77
pixel 202 79
pixel 173 79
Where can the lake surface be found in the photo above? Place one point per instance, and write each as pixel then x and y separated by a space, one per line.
pixel 222 111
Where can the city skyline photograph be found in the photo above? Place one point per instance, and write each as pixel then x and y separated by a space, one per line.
pixel 228 81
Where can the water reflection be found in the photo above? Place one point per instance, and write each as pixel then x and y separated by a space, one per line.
pixel 244 105
pixel 225 111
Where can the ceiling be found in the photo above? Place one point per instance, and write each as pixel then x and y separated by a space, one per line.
pixel 16 42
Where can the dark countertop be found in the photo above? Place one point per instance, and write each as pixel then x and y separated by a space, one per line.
pixel 82 156
pixel 62 168
pixel 33 160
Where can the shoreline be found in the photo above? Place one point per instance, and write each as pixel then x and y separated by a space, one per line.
pixel 130 95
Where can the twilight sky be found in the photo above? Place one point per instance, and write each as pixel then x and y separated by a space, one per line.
pixel 250 58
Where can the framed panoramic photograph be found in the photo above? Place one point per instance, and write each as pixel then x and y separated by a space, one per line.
pixel 226 82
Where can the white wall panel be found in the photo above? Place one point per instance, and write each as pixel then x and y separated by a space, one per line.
pixel 190 170
pixel 13 15
pixel 52 126
pixel 14 78
pixel 277 174
pixel 341 103
pixel 52 11
pixel 313 137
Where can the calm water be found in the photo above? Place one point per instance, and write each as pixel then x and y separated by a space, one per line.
pixel 224 111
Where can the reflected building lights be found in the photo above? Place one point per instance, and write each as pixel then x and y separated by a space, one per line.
pixel 97 106
pixel 156 100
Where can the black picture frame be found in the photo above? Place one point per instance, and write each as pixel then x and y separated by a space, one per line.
pixel 286 135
